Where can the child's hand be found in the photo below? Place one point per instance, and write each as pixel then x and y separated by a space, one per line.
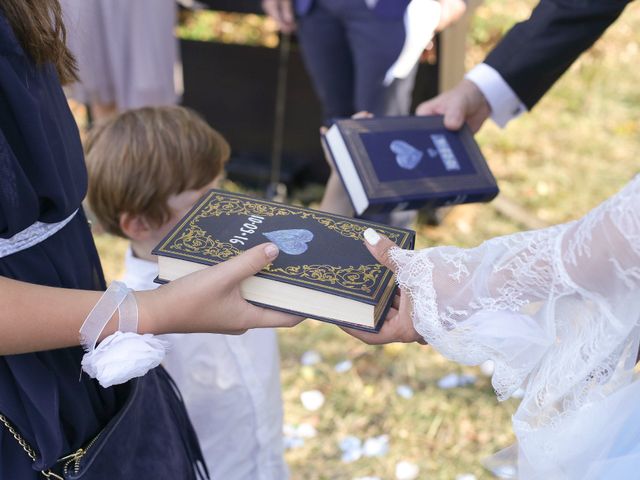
pixel 336 199
pixel 209 301
pixel 324 130
pixel 362 114
pixel 282 12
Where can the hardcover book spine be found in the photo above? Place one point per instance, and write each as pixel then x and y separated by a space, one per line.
pixel 329 156
pixel 402 204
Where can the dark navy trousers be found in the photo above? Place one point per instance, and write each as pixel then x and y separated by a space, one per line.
pixel 347 49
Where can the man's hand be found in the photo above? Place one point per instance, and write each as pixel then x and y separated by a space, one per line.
pixel 398 326
pixel 464 103
pixel 452 11
pixel 282 12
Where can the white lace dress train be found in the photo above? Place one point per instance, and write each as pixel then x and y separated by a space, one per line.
pixel 558 311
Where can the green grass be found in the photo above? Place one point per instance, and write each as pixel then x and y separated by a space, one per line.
pixel 578 146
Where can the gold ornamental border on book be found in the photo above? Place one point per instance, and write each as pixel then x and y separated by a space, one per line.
pixel 231 206
pixel 194 239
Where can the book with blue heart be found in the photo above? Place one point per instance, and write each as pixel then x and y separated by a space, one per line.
pixel 404 163
pixel 324 271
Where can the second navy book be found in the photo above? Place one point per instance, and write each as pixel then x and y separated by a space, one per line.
pixel 404 163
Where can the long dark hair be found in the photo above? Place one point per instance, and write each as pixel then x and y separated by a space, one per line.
pixel 38 26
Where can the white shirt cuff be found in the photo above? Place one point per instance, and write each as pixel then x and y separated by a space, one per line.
pixel 505 104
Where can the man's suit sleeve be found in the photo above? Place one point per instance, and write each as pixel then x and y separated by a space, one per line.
pixel 536 52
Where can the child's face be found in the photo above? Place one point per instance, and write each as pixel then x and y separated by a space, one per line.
pixel 181 203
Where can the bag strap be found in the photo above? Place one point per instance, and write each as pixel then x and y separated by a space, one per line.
pixel 26 447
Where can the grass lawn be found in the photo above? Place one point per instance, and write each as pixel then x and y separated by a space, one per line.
pixel 577 147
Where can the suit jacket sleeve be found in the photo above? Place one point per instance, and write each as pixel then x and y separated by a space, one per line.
pixel 536 52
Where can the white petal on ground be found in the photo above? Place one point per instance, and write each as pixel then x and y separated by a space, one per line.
pixel 351 455
pixel 310 357
pixel 289 430
pixel 404 391
pixel 376 446
pixel 293 442
pixel 306 430
pixel 312 400
pixel 467 380
pixel 351 448
pixel 505 472
pixel 407 470
pixel 453 380
pixel 343 366
pixel 449 381
pixel 350 442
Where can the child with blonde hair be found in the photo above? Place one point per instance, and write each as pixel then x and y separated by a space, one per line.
pixel 147 168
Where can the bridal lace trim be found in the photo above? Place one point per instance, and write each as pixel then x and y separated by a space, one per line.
pixel 557 310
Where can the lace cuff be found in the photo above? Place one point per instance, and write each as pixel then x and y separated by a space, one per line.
pixel 558 311
pixel 514 341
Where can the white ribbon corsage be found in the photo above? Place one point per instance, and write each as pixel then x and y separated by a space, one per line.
pixel 124 354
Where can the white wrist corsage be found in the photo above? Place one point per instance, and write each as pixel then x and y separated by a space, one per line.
pixel 124 354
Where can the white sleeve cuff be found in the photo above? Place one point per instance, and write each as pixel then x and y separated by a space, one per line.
pixel 505 104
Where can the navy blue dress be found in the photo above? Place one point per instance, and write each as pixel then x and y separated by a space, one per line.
pixel 43 177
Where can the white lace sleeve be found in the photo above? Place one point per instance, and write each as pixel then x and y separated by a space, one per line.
pixel 556 309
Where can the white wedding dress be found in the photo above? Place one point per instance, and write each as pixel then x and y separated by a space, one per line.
pixel 558 311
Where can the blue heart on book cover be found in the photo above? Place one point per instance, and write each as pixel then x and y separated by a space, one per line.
pixel 407 156
pixel 293 241
pixel 413 154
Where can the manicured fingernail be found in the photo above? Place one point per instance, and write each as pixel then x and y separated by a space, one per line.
pixel 272 251
pixel 371 236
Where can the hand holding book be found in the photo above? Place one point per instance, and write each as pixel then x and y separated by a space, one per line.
pixel 389 164
pixel 398 325
pixel 209 300
pixel 323 271
pixel 463 103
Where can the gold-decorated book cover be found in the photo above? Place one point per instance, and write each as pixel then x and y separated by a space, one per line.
pixel 324 271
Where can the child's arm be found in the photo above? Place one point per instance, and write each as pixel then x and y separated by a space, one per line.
pixel 336 199
pixel 35 317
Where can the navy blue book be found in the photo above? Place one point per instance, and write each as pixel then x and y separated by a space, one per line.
pixel 324 271
pixel 404 163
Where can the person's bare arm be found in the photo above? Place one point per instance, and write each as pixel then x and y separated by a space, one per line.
pixel 35 317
